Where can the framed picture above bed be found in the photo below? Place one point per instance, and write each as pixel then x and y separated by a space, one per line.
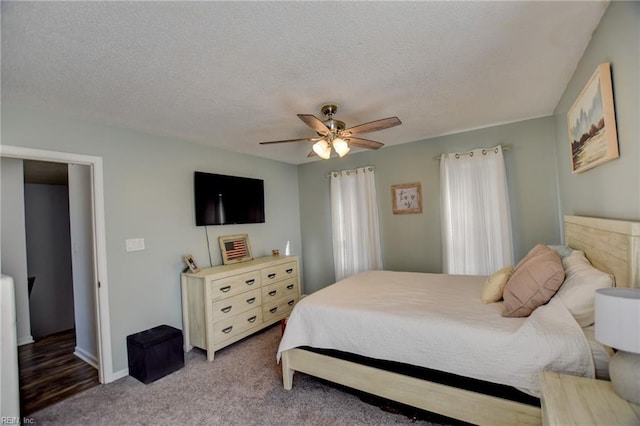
pixel 407 198
pixel 235 248
pixel 592 123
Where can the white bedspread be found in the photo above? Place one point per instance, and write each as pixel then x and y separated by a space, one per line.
pixel 438 321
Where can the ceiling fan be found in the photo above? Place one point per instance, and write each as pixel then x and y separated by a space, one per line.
pixel 332 133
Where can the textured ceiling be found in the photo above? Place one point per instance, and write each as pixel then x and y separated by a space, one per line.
pixel 232 74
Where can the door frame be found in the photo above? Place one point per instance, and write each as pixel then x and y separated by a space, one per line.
pixel 105 358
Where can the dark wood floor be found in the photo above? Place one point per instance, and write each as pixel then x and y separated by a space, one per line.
pixel 50 372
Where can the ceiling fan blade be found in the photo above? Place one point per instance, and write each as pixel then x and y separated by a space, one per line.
pixel 292 140
pixel 315 123
pixel 373 126
pixel 364 143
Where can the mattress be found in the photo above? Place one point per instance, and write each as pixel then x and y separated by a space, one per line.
pixel 437 321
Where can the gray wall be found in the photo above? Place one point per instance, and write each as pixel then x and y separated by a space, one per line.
pixel 541 185
pixel 148 184
pixel 49 258
pixel 14 241
pixel 413 242
pixel 613 188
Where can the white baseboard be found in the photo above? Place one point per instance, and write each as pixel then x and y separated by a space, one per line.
pixel 119 374
pixel 25 340
pixel 90 359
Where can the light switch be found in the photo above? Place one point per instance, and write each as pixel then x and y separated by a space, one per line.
pixel 134 244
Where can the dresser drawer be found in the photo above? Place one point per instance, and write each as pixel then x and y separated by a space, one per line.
pixel 278 308
pixel 280 289
pixel 235 284
pixel 234 305
pixel 279 272
pixel 233 326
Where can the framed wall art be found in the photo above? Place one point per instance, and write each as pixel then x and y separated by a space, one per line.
pixel 191 264
pixel 592 123
pixel 235 248
pixel 407 198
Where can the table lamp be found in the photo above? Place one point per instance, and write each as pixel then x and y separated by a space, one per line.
pixel 617 313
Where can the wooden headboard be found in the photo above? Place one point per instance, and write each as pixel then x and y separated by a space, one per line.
pixel 613 246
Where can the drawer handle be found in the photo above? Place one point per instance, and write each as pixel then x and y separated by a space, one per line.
pixel 290 270
pixel 273 292
pixel 291 302
pixel 290 287
pixel 271 276
pixel 252 319
pixel 225 289
pixel 250 301
pixel 273 310
pixel 250 282
pixel 227 330
pixel 226 310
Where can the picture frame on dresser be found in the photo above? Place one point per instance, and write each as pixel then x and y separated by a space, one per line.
pixel 191 264
pixel 235 248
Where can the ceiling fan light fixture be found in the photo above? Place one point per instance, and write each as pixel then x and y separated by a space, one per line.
pixel 341 146
pixel 323 149
pixel 334 134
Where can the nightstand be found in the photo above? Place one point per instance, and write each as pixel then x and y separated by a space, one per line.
pixel 571 400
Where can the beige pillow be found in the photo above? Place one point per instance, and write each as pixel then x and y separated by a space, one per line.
pixel 580 285
pixel 533 283
pixel 494 285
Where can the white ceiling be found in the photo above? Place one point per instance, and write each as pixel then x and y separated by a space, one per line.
pixel 232 74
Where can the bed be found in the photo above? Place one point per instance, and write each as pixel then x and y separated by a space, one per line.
pixel 611 246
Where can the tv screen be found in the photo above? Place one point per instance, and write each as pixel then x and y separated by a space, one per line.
pixel 227 200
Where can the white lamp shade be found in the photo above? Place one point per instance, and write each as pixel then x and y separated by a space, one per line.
pixel 341 147
pixel 323 149
pixel 617 313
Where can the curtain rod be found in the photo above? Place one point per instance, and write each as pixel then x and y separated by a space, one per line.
pixel 504 148
pixel 371 168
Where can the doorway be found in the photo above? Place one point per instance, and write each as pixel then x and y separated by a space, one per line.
pixel 100 290
pixel 50 262
pixel 60 264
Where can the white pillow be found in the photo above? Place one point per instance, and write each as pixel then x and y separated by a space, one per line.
pixel 580 285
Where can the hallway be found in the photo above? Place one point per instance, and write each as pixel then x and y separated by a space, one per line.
pixel 50 372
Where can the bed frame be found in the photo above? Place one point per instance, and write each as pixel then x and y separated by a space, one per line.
pixel 611 245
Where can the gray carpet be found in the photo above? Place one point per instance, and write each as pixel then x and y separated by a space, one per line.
pixel 242 386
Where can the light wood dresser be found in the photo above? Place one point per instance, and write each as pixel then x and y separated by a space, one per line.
pixel 571 400
pixel 226 303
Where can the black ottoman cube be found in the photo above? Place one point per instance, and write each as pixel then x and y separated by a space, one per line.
pixel 154 353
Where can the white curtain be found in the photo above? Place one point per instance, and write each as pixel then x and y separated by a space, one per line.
pixel 354 218
pixel 476 224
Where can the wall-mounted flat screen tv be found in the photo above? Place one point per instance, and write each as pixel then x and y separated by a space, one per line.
pixel 228 200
